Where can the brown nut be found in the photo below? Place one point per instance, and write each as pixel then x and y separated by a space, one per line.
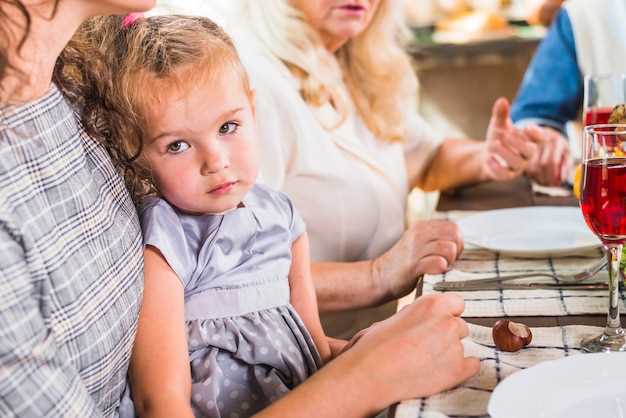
pixel 511 336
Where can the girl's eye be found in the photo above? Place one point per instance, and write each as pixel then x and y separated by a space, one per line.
pixel 228 128
pixel 177 147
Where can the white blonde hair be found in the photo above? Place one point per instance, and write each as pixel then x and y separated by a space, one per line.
pixel 376 70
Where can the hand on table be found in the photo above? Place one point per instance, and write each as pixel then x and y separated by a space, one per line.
pixel 415 353
pixel 549 165
pixel 428 247
pixel 508 150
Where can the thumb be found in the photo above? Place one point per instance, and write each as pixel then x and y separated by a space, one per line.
pixel 500 113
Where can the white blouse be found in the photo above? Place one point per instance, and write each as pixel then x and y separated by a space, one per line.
pixel 349 187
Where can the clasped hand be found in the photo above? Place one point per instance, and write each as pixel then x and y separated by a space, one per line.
pixel 542 153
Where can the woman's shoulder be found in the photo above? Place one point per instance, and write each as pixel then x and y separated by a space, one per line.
pixel 50 104
pixel 41 136
pixel 39 124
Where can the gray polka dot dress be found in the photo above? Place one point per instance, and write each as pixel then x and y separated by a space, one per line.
pixel 247 345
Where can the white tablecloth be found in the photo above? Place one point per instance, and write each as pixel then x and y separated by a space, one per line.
pixel 472 397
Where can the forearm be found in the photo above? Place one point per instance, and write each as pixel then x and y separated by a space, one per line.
pixel 344 286
pixel 162 406
pixel 456 163
pixel 337 390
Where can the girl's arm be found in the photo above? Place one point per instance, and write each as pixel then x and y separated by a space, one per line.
pixel 159 369
pixel 303 294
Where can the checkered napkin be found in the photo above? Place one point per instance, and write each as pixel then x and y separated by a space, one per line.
pixel 476 263
pixel 472 397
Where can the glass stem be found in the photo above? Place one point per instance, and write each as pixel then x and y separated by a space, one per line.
pixel 613 325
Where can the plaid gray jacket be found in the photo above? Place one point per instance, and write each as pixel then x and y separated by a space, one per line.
pixel 71 267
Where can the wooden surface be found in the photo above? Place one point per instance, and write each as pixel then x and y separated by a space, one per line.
pixel 505 195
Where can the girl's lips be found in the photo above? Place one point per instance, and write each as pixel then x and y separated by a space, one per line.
pixel 223 188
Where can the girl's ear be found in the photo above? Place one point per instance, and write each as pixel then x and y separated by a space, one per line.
pixel 252 97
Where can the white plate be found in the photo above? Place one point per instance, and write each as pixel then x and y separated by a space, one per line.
pixel 580 386
pixel 529 231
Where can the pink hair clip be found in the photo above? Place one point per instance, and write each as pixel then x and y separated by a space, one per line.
pixel 129 19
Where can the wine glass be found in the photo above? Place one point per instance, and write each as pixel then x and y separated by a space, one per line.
pixel 601 93
pixel 603 203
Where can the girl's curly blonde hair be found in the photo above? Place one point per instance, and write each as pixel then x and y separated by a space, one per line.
pixel 113 73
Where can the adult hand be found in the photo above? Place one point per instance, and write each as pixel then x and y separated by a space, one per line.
pixel 428 247
pixel 417 352
pixel 549 165
pixel 508 150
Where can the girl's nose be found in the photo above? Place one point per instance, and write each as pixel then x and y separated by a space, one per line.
pixel 214 160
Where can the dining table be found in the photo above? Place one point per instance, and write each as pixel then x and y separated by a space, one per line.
pixel 557 328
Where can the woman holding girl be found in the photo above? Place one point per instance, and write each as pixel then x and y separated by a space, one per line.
pixel 70 274
pixel 71 267
pixel 225 257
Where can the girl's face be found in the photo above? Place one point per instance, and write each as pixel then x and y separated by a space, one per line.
pixel 201 146
pixel 337 21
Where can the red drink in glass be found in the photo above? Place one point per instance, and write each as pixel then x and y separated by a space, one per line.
pixel 597 115
pixel 603 198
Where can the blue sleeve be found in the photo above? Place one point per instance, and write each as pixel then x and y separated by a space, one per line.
pixel 162 229
pixel 552 90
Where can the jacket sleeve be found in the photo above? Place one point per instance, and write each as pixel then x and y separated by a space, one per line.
pixel 36 380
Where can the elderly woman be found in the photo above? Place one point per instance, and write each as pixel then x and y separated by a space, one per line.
pixel 336 98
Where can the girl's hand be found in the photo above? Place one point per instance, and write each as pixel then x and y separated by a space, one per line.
pixel 550 163
pixel 508 150
pixel 416 353
pixel 428 247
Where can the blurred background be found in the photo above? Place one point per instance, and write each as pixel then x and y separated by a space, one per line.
pixel 469 52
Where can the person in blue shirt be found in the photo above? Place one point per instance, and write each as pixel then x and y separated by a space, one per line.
pixel 552 90
pixel 551 94
pixel 584 38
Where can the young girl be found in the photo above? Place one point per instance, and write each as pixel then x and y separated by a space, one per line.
pixel 228 292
